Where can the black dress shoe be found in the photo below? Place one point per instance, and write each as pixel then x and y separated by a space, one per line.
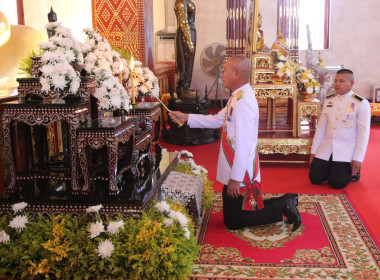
pixel 356 177
pixel 290 210
pixel 294 197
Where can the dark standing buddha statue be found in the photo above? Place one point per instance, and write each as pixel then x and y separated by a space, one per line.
pixel 185 45
pixel 52 17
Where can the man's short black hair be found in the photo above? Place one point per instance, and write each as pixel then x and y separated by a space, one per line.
pixel 345 71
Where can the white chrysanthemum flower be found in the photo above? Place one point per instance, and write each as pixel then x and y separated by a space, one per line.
pixel 181 218
pixel 58 81
pixel 168 222
pixel 104 104
pixel 113 227
pixel 115 101
pixel 162 206
pixel 280 65
pixel 186 153
pixel 197 171
pixel 317 88
pixel 105 249
pixel 74 86
pixel 4 237
pixel 96 229
pixel 19 222
pixel 187 232
pixel 309 90
pixel 45 84
pixel 288 72
pixel 19 206
pixel 93 209
pixel 280 73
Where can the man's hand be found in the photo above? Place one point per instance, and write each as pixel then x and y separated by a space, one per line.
pixel 178 117
pixel 312 156
pixel 233 188
pixel 355 166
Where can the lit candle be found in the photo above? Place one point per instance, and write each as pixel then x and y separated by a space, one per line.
pixel 121 73
pixel 132 89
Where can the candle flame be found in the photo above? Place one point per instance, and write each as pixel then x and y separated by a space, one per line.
pixel 121 66
pixel 132 63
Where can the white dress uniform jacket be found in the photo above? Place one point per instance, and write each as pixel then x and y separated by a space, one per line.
pixel 343 128
pixel 242 127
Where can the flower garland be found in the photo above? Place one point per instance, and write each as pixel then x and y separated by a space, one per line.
pixel 282 66
pixel 306 82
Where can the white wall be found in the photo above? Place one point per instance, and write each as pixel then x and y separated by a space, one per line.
pixel 74 14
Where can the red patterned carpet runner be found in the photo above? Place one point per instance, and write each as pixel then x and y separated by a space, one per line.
pixel 332 243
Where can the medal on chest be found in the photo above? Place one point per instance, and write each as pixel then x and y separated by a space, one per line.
pixel 350 107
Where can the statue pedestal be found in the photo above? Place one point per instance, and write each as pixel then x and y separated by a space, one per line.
pixel 185 135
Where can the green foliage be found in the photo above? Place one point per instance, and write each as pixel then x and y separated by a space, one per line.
pixel 26 63
pixel 208 191
pixel 59 247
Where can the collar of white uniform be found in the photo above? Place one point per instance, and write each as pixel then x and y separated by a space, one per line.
pixel 346 95
pixel 243 88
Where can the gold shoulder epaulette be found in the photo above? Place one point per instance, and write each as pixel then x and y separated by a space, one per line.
pixel 357 97
pixel 239 95
pixel 331 96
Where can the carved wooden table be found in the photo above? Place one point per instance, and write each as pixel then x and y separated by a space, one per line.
pixel 309 110
pixel 271 92
pixel 37 113
pixel 97 134
pixel 150 113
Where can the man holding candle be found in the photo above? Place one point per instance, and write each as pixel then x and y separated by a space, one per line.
pixel 238 167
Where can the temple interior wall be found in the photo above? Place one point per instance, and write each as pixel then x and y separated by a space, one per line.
pixel 353 34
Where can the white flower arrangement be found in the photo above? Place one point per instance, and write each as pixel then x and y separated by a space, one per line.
pixel 149 78
pixel 103 64
pixel 306 82
pixel 282 66
pixel 110 93
pixel 60 52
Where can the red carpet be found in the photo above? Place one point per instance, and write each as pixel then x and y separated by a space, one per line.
pixel 332 243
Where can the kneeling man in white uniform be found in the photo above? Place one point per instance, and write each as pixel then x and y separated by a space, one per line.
pixel 342 135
